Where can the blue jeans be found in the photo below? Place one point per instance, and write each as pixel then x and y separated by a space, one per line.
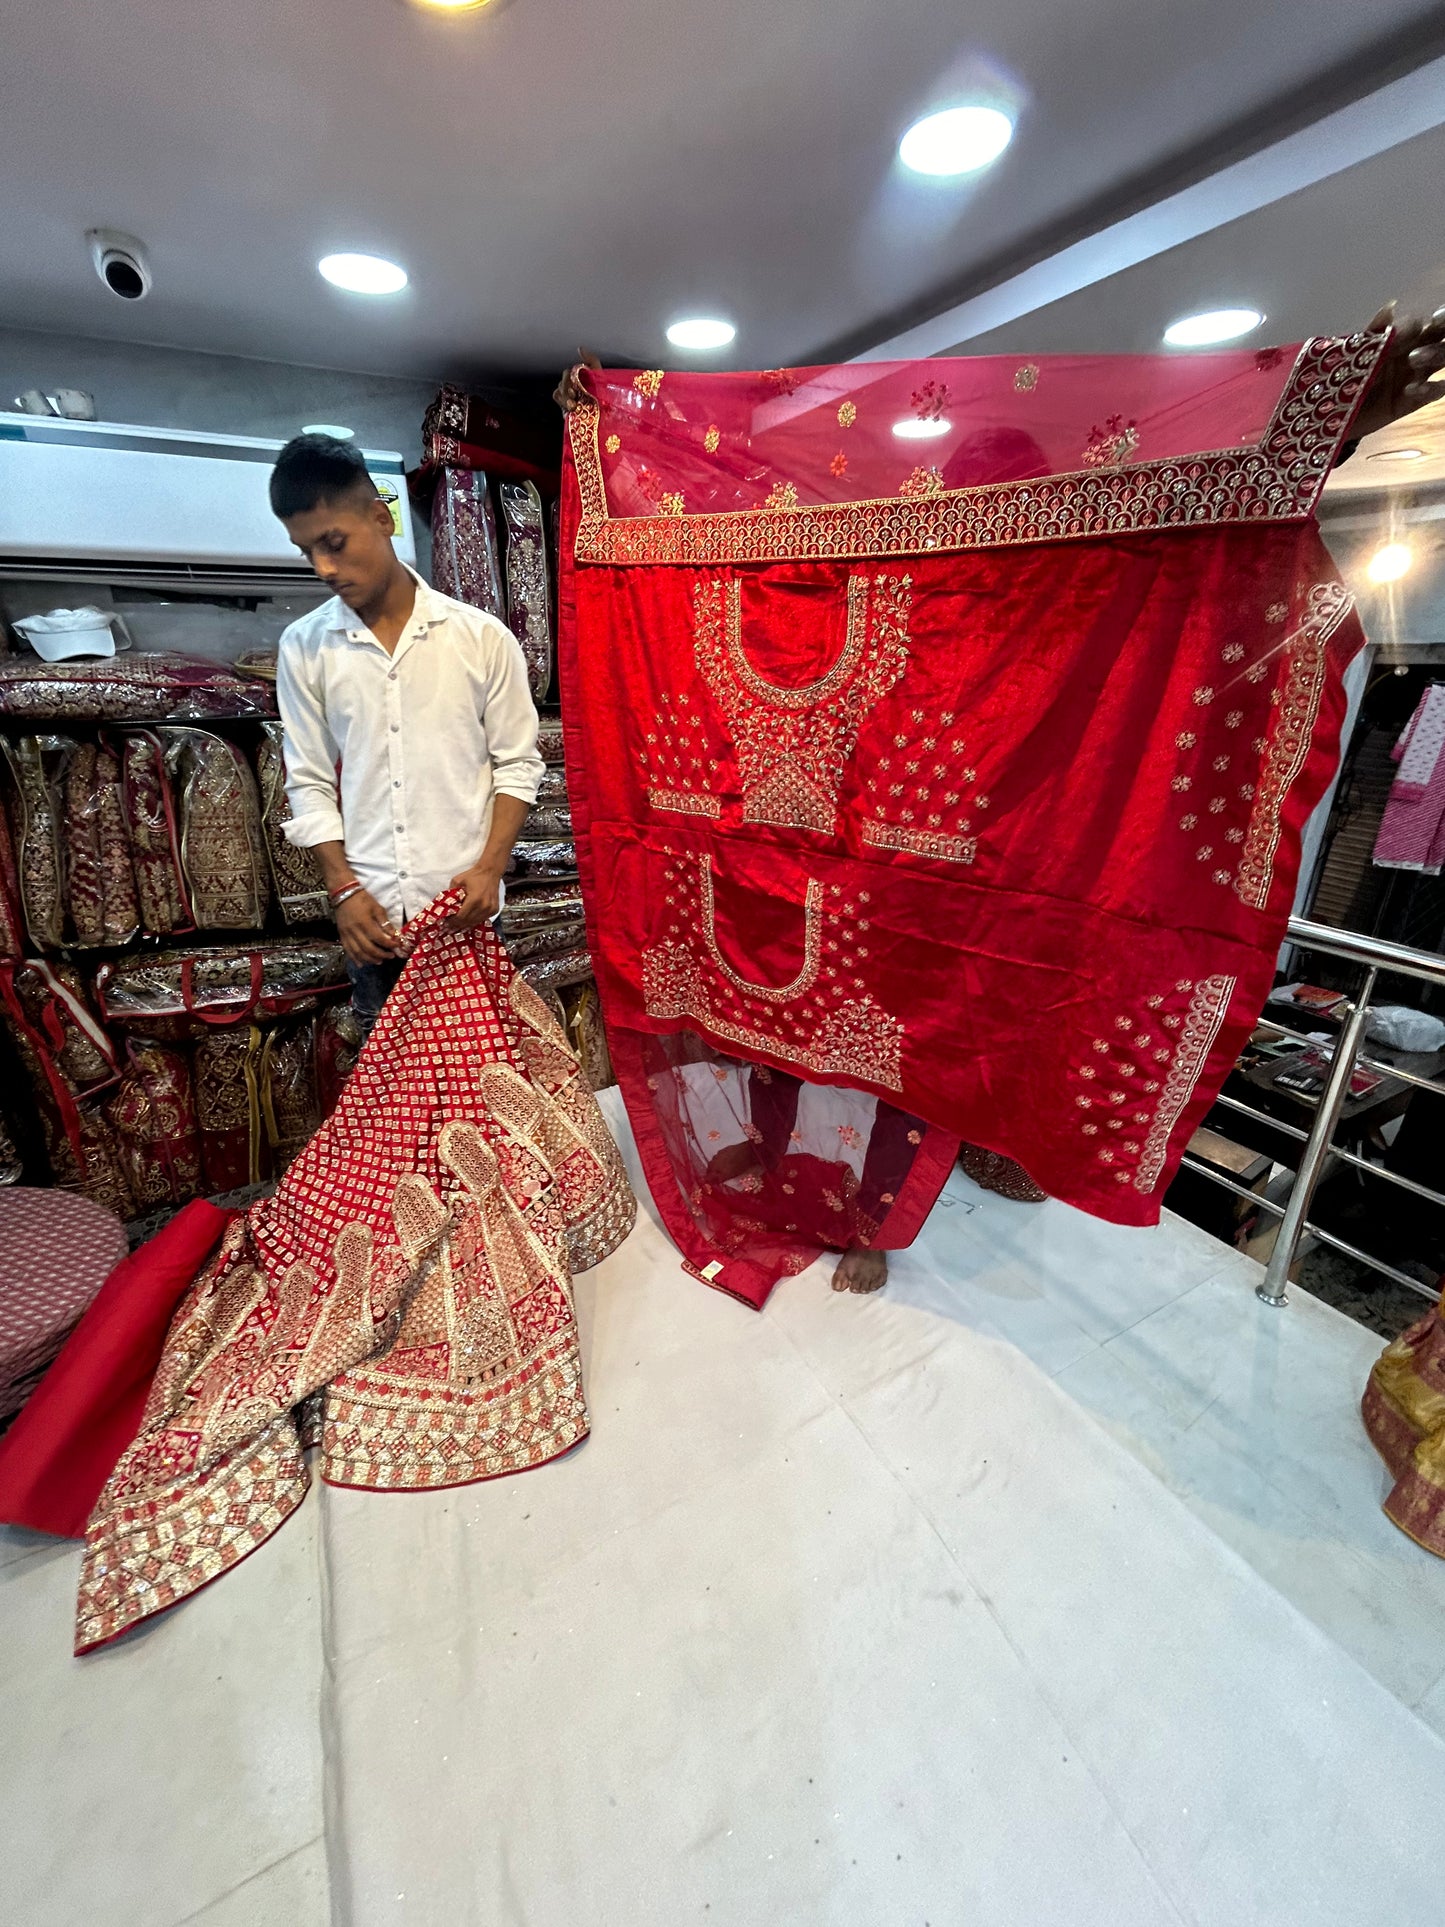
pixel 371 985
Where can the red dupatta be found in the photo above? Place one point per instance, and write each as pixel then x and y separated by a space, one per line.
pixel 940 735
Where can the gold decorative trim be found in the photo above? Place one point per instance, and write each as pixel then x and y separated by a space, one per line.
pixel 806 695
pixel 1203 1022
pixel 1289 738
pixel 1277 479
pixel 812 944
pixel 894 836
pixel 688 802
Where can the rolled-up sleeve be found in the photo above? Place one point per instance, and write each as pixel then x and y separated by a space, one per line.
pixel 311 753
pixel 509 718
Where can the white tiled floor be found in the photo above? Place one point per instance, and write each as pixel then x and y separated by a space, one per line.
pixel 845 1614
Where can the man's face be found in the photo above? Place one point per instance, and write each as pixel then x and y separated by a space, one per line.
pixel 348 543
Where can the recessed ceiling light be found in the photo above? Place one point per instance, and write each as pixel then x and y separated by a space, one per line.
pixel 913 430
pixel 960 140
pixel 452 6
pixel 1218 324
pixel 336 433
pixel 1399 455
pixel 362 273
pixel 1390 563
pixel 701 331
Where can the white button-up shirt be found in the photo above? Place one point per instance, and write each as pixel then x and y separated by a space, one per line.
pixel 423 738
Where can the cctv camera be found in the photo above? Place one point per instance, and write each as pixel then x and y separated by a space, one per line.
pixel 120 262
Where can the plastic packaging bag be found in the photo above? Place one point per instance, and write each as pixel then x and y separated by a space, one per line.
pixel 1404 1028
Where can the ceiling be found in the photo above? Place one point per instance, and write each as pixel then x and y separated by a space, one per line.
pixel 553 173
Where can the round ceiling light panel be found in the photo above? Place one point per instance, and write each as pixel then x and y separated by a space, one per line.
pixel 333 429
pixel 362 273
pixel 913 430
pixel 700 332
pixel 960 140
pixel 1214 326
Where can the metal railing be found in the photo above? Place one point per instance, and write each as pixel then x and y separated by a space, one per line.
pixel 1318 1143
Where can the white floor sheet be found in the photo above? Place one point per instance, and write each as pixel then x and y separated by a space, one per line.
pixel 847 1615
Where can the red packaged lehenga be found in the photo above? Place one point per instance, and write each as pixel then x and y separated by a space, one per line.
pixel 940 737
pixel 403 1301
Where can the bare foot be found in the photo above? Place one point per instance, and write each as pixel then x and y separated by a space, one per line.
pixel 861 1271
pixel 733 1161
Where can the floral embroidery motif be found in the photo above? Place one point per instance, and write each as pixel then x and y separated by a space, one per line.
pixel 671 505
pixel 1112 444
pixel 614 442
pixel 679 772
pixel 929 401
pixel 648 381
pixel 793 744
pixel 711 440
pixel 1148 1107
pixel 839 464
pixel 782 495
pixel 1026 378
pixel 944 833
pixel 847 414
pixel 811 1022
pixel 922 482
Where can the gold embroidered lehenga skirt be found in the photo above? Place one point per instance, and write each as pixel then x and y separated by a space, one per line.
pixel 404 1300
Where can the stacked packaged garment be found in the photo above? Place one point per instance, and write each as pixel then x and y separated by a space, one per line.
pixel 59 1250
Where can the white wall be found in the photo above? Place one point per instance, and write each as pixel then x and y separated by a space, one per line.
pixel 222 394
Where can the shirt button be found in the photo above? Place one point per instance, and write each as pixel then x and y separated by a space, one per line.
pixel 391 676
pixel 397 784
pixel 396 729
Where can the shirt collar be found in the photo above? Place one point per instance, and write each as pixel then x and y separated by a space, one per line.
pixel 428 611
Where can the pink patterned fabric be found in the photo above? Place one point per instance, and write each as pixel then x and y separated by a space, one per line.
pixel 1412 836
pixel 56 1251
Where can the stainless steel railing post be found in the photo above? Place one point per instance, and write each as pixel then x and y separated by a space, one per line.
pixel 1272 1287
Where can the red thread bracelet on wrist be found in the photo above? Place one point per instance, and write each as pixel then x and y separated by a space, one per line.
pixel 344 896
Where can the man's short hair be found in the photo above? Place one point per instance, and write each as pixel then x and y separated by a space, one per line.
pixel 314 469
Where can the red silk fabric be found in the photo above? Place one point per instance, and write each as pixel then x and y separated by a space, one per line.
pixel 969 773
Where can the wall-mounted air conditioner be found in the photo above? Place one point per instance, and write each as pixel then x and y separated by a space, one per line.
pixel 102 500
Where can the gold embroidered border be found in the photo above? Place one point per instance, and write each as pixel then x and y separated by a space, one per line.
pixel 894 836
pixel 812 942
pixel 808 695
pixel 688 802
pixel 1203 1022
pixel 1289 739
pixel 858 1039
pixel 1276 480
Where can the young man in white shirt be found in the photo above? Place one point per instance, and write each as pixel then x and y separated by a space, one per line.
pixel 410 731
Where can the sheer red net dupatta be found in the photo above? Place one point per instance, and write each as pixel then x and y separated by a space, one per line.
pixel 940 736
pixel 404 1299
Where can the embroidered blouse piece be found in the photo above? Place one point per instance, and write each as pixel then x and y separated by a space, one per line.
pixel 975 785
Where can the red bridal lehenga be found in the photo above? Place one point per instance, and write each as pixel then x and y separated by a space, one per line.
pixel 403 1301
pixel 939 740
